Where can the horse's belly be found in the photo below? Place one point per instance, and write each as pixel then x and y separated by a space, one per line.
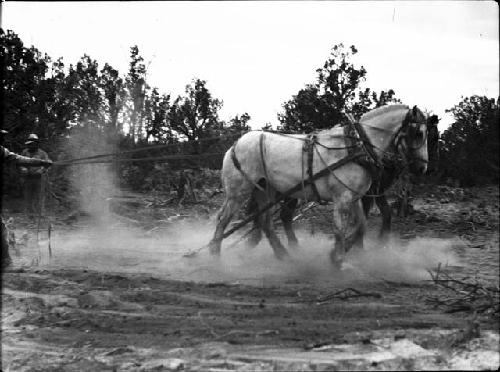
pixel 351 179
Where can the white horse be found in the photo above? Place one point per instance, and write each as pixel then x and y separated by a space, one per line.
pixel 264 165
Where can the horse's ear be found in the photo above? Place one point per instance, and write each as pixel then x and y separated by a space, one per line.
pixel 434 119
pixel 415 110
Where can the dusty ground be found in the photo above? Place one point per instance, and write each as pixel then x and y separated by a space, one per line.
pixel 118 295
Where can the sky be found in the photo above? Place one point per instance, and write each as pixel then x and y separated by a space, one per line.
pixel 255 55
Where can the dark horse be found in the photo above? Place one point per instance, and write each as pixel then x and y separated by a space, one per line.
pixel 376 194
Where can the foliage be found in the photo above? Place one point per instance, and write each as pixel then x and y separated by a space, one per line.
pixel 469 148
pixel 196 115
pixel 90 102
pixel 335 93
pixel 85 108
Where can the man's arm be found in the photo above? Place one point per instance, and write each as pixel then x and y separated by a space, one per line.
pixel 9 157
pixel 45 156
pixel 41 155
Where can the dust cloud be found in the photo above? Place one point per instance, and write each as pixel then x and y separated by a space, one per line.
pixel 93 184
pixel 130 250
pixel 108 245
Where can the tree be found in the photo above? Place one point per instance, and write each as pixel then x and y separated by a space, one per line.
pixel 135 83
pixel 267 126
pixel 156 110
pixel 307 111
pixel 336 92
pixel 196 115
pixel 368 100
pixel 114 92
pixel 83 92
pixel 470 146
pixel 23 88
pixel 238 124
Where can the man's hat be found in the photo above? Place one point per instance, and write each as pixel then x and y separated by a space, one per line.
pixel 31 138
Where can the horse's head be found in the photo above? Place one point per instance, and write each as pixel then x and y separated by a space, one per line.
pixel 411 141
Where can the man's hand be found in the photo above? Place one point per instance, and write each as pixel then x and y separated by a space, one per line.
pixel 47 163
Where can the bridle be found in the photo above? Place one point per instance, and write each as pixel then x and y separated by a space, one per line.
pixel 402 141
pixel 405 137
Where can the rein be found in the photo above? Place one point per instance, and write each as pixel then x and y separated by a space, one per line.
pixel 309 147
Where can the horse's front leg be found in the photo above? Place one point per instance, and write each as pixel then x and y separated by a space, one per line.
pixel 255 234
pixel 358 223
pixel 287 211
pixel 340 226
pixel 349 228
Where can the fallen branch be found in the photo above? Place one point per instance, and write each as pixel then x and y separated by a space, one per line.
pixel 465 295
pixel 234 331
pixel 343 294
pixel 255 334
pixel 128 219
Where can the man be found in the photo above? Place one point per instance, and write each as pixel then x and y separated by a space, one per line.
pixel 34 179
pixel 7 157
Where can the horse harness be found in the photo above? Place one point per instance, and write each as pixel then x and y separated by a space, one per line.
pixel 359 151
pixel 359 148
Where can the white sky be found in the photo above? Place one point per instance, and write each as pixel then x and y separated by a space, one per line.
pixel 256 55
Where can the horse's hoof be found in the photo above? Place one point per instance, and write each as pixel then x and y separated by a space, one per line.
pixel 191 254
pixel 282 255
pixel 337 261
pixel 250 244
pixel 214 249
pixel 337 265
pixel 347 266
pixel 214 255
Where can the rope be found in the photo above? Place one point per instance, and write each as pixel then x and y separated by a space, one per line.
pixel 148 148
pixel 165 158
pixel 93 159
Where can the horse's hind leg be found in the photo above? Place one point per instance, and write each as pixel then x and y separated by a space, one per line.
pixel 287 210
pixel 256 231
pixel 229 208
pixel 386 212
pixel 367 202
pixel 266 221
pixel 359 221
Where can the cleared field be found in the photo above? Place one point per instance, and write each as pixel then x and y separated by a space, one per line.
pixel 119 297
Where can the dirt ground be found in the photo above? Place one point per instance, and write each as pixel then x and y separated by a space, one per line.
pixel 117 293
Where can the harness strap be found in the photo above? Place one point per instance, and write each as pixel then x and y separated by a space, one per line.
pixel 237 164
pixel 262 153
pixel 366 144
pixel 309 146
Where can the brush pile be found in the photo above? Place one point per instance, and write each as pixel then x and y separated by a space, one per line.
pixel 466 294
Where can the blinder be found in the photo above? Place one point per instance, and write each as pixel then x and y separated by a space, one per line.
pixel 415 135
pixel 410 137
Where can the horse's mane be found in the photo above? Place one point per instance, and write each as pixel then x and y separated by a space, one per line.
pixel 383 110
